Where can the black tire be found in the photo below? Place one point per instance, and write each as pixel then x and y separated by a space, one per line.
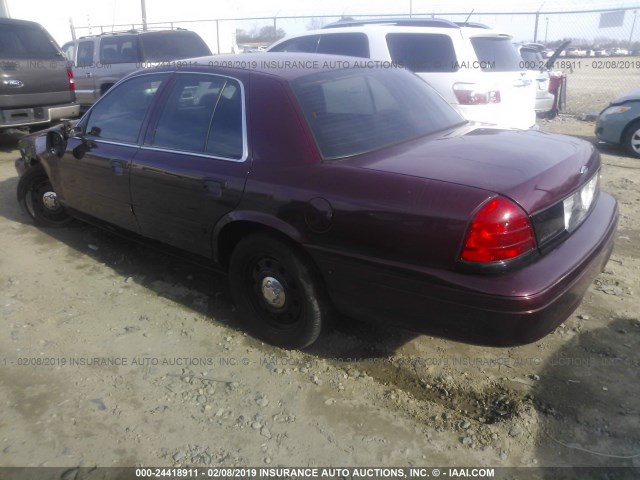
pixel 37 198
pixel 295 317
pixel 631 138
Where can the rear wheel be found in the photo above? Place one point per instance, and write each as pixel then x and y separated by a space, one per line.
pixel 38 199
pixel 277 291
pixel 631 139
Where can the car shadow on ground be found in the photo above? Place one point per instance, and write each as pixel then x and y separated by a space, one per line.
pixel 588 401
pixel 164 274
pixel 159 272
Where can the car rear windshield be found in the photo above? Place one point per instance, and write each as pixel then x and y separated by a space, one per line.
pixel 26 42
pixel 352 112
pixel 496 54
pixel 162 46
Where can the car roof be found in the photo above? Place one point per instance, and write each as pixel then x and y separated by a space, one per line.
pixel 15 21
pixel 406 22
pixel 285 65
pixel 377 28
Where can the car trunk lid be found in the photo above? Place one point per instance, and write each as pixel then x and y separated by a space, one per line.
pixel 536 169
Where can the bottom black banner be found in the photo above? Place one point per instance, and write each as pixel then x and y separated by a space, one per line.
pixel 346 473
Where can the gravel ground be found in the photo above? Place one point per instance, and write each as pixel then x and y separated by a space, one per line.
pixel 593 83
pixel 113 355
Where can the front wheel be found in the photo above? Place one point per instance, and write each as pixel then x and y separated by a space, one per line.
pixel 38 199
pixel 277 291
pixel 632 139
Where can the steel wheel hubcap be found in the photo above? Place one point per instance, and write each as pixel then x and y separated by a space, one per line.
pixel 50 201
pixel 273 292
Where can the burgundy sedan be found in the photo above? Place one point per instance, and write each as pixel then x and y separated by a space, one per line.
pixel 334 183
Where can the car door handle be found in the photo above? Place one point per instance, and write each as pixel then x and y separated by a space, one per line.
pixel 214 187
pixel 118 166
pixel 88 75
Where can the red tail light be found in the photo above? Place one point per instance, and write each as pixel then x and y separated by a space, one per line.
pixel 500 230
pixel 72 83
pixel 476 94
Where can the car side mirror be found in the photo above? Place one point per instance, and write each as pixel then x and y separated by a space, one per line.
pixel 85 145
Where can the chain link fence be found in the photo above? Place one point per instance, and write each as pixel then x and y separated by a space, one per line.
pixel 602 61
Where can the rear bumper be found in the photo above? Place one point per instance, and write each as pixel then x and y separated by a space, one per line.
pixel 544 103
pixel 26 117
pixel 514 308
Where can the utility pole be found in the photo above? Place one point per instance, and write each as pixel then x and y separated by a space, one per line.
pixel 633 25
pixel 73 29
pixel 546 30
pixel 4 9
pixel 144 14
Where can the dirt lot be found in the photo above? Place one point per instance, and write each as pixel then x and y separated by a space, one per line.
pixel 112 355
pixel 594 82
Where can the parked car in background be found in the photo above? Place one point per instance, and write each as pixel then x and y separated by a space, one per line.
pixel 577 52
pixel 36 84
pixel 551 83
pixel 619 52
pixel 360 188
pixel 99 61
pixel 619 123
pixel 476 69
pixel 533 61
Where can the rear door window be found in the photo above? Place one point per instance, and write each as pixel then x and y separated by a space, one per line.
pixel 302 44
pixel 26 42
pixel 120 49
pixel 203 114
pixel 496 54
pixel 422 52
pixel 350 44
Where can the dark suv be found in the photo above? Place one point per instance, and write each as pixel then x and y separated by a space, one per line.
pixel 37 85
pixel 99 61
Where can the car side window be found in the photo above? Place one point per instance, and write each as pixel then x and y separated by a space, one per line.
pixel 85 54
pixel 186 115
pixel 422 52
pixel 118 116
pixel 226 132
pixel 120 49
pixel 202 114
pixel 301 44
pixel 350 44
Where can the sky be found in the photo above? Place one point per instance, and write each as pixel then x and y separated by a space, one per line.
pixel 85 13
